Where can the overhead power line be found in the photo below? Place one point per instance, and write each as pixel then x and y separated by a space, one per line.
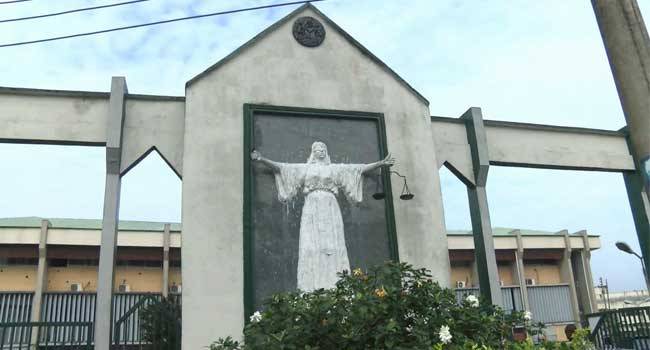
pixel 156 23
pixel 11 2
pixel 68 11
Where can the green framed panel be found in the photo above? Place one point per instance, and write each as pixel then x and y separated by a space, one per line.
pixel 250 111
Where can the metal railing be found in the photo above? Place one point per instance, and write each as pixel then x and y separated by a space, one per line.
pixel 627 328
pixel 15 306
pixel 550 303
pixel 127 330
pixel 49 335
pixel 63 314
pixel 163 320
pixel 511 296
pixel 68 307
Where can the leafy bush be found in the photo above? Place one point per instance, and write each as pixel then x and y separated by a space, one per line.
pixel 160 323
pixel 393 306
pixel 580 341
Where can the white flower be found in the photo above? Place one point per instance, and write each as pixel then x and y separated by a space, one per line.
pixel 444 335
pixel 528 316
pixel 472 300
pixel 256 317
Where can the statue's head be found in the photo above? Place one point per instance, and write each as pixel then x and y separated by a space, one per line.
pixel 319 153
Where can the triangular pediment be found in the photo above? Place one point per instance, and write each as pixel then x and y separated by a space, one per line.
pixel 295 14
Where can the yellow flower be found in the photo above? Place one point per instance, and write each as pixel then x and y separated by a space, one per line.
pixel 357 272
pixel 380 293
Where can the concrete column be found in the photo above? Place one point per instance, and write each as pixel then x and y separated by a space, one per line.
pixel 41 272
pixel 582 276
pixel 110 220
pixel 165 274
pixel 566 272
pixel 586 256
pixel 521 276
pixel 41 280
pixel 628 48
pixel 478 207
pixel 640 213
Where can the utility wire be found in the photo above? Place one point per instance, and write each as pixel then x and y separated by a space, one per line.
pixel 155 23
pixel 68 11
pixel 11 2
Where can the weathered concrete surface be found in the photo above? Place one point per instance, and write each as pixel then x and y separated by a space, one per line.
pixel 532 145
pixel 158 123
pixel 452 149
pixel 335 75
pixel 53 116
pixel 628 48
pixel 111 216
pixel 486 262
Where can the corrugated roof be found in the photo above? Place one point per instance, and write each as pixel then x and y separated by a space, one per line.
pixel 126 225
pixel 505 231
pixel 86 224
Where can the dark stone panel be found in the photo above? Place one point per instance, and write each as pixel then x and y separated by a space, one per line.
pixel 276 225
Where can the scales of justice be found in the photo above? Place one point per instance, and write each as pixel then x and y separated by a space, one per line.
pixel 322 251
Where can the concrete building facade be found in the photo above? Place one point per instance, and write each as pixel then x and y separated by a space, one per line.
pixel 526 260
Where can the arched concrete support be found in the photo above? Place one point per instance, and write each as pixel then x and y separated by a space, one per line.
pixel 153 123
pixel 110 220
pixel 478 207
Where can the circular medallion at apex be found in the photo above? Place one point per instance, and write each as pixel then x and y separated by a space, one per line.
pixel 308 31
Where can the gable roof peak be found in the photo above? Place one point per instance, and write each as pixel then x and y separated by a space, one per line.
pixel 331 23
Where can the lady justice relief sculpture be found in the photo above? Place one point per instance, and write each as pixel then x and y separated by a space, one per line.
pixel 322 251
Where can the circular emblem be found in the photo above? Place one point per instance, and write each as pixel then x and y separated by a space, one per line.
pixel 308 31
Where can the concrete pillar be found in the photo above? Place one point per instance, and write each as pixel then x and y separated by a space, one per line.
pixel 640 213
pixel 586 256
pixel 478 207
pixel 582 275
pixel 566 273
pixel 521 276
pixel 628 48
pixel 41 280
pixel 110 220
pixel 41 272
pixel 165 274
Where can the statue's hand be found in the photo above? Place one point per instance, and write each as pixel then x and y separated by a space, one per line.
pixel 388 161
pixel 255 155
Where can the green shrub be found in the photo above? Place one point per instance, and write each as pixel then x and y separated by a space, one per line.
pixel 160 323
pixel 393 306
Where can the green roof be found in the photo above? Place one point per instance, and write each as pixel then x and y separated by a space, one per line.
pixel 86 224
pixel 96 224
pixel 505 231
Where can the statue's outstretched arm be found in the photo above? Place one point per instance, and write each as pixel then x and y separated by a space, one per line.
pixel 257 157
pixel 386 162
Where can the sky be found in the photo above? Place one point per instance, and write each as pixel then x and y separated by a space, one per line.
pixel 537 62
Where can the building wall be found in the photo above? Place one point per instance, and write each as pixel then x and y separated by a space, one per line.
pixel 461 271
pixel 60 278
pixel 213 174
pixel 543 273
pixel 139 279
pixel 18 278
pixel 506 273
pixel 175 276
